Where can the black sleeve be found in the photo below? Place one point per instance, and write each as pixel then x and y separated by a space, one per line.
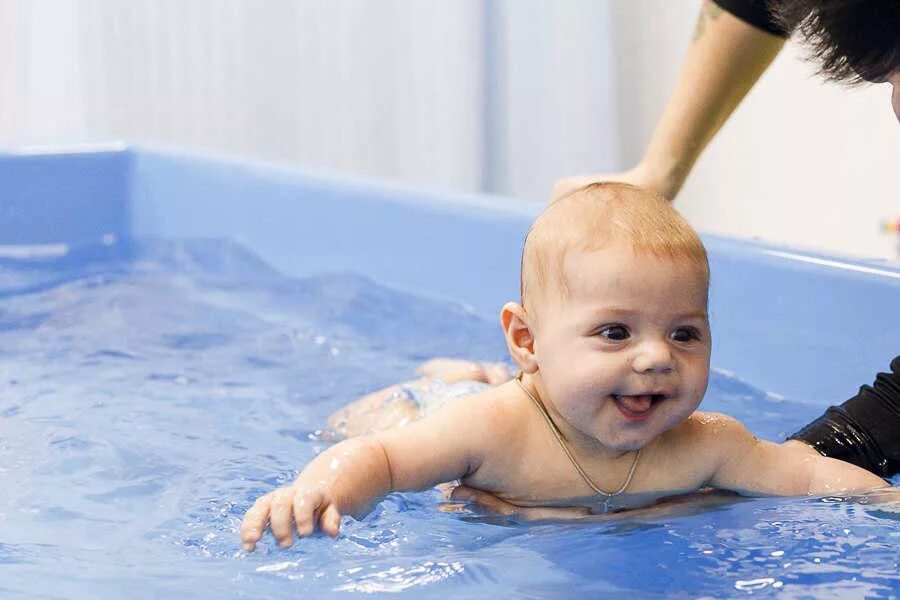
pixel 864 430
pixel 754 12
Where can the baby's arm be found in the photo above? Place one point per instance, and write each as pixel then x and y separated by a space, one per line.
pixel 348 477
pixel 748 464
pixel 341 480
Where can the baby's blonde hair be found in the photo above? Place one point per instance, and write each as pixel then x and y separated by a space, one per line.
pixel 593 218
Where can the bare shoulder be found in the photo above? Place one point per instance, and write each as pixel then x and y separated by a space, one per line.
pixel 496 414
pixel 713 434
pixel 715 423
pixel 454 441
pixel 694 450
pixel 498 409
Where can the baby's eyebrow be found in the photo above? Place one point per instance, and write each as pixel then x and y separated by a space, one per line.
pixel 615 311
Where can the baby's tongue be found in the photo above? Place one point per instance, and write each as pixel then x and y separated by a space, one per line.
pixel 636 404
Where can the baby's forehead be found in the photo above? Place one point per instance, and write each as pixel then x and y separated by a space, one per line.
pixel 624 277
pixel 620 263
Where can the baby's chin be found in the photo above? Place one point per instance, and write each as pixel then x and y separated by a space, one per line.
pixel 641 436
pixel 628 446
pixel 620 443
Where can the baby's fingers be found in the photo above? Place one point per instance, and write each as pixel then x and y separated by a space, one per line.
pixel 330 521
pixel 281 516
pixel 305 508
pixel 254 522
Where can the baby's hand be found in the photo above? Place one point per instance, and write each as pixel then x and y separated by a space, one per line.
pixel 308 508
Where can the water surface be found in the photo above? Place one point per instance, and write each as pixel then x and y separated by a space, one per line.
pixel 152 390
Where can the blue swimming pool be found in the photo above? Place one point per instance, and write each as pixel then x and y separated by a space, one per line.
pixel 173 330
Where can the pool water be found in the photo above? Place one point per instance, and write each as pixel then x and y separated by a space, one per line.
pixel 153 389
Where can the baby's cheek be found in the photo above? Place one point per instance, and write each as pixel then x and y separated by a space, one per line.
pixel 696 374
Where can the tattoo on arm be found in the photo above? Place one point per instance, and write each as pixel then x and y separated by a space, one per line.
pixel 709 12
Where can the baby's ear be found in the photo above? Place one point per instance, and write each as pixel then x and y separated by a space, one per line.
pixel 519 337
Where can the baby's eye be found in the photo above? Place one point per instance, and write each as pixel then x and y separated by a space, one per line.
pixel 615 333
pixel 685 334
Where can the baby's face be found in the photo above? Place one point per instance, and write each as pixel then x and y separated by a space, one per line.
pixel 623 355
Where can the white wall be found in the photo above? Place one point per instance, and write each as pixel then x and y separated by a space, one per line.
pixel 502 95
pixel 388 87
pixel 551 91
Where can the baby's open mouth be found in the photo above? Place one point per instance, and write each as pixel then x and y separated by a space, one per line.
pixel 639 406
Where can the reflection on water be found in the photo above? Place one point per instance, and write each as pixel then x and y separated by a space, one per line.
pixel 151 391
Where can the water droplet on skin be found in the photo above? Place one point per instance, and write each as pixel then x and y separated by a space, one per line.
pixel 335 463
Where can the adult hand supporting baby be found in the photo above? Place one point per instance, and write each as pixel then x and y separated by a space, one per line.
pixel 675 506
pixel 491 504
pixel 640 175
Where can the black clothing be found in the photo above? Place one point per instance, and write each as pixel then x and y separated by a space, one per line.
pixel 864 430
pixel 754 12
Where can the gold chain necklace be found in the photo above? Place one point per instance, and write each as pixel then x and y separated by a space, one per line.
pixel 559 438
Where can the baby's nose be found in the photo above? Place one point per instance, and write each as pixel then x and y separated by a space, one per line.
pixel 652 357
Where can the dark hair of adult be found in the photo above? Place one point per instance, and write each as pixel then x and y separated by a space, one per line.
pixel 851 40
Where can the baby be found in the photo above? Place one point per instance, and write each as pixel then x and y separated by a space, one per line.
pixel 613 342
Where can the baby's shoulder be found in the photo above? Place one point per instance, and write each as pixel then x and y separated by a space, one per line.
pixel 707 428
pixel 702 441
pixel 492 421
pixel 498 409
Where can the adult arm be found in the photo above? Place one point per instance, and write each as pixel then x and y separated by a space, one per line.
pixel 864 430
pixel 724 60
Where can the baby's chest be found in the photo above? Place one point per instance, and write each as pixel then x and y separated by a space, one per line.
pixel 529 476
pixel 546 474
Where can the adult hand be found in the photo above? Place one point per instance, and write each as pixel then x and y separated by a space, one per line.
pixel 639 175
pixel 491 504
pixel 673 506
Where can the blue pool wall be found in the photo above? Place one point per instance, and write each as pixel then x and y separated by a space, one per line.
pixel 806 326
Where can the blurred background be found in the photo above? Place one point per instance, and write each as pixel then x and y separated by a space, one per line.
pixel 502 96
